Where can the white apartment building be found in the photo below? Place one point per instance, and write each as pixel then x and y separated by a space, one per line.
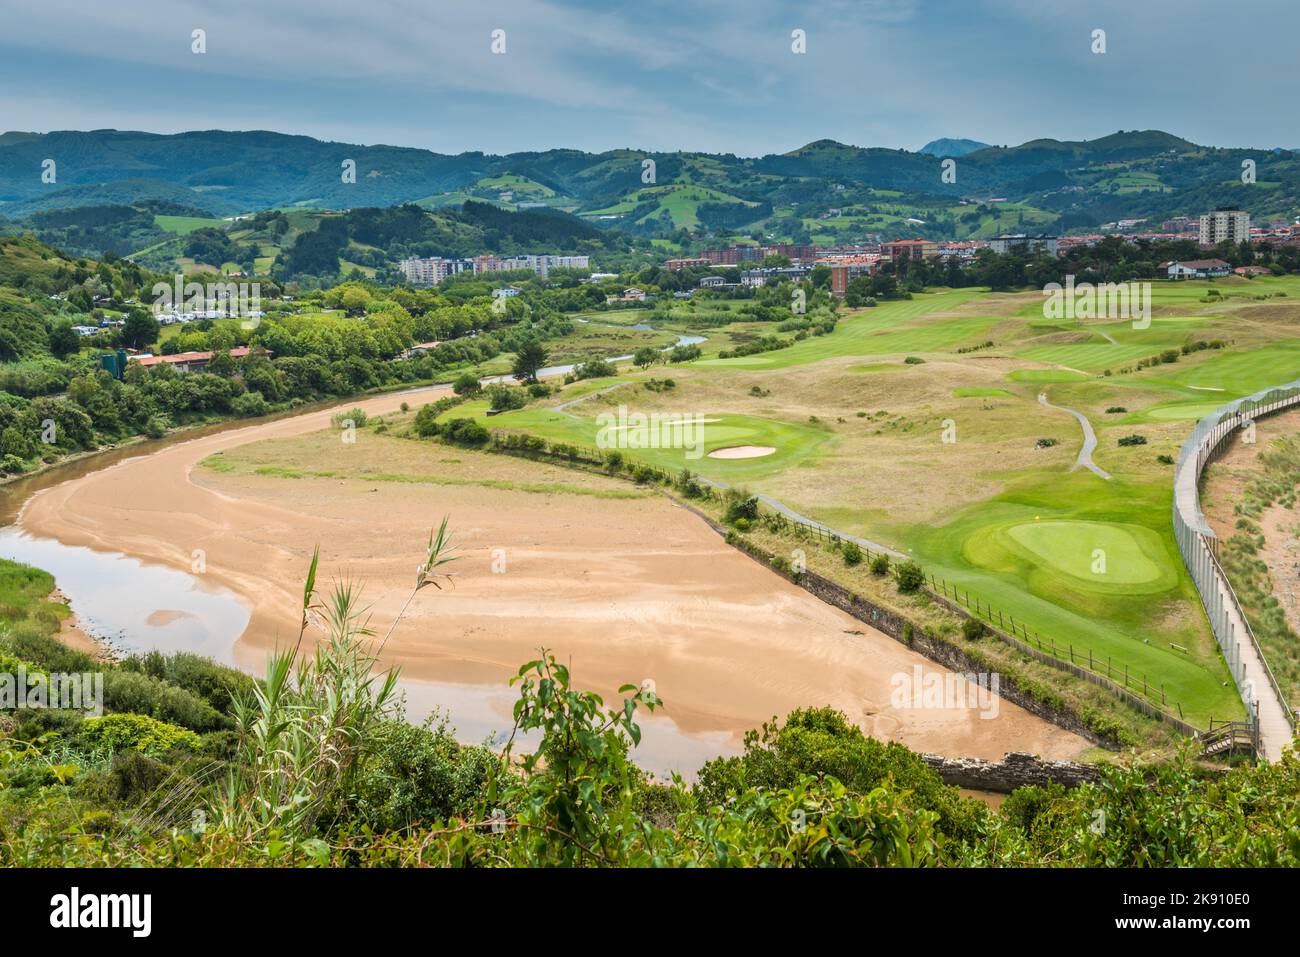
pixel 430 272
pixel 1225 223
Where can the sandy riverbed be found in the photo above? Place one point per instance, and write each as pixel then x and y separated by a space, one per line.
pixel 622 589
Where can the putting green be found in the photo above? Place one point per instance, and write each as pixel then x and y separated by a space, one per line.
pixel 1100 557
pixel 1180 411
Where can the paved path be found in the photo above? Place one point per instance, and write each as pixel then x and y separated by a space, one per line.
pixel 1089 439
pixel 1274 722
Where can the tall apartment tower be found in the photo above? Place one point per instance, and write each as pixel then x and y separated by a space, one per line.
pixel 1225 223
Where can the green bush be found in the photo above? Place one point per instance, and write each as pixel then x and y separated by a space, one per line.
pixel 417 774
pixel 357 418
pixel 880 565
pixel 852 553
pixel 138 732
pixel 910 577
pixel 466 384
pixel 249 404
pixel 972 629
pixel 465 432
pixel 505 398
pixel 144 694
pixel 214 683
pixel 594 369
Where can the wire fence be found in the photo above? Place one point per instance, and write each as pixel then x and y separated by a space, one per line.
pixel 1199 546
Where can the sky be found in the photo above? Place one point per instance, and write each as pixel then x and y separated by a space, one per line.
pixel 656 75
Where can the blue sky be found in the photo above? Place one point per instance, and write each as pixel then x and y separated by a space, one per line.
pixel 718 77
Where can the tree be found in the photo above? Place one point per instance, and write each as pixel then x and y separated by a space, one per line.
pixel 466 384
pixel 140 329
pixel 64 341
pixel 528 361
pixel 645 357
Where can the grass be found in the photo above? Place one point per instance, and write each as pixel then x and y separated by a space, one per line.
pixel 24 601
pixel 184 225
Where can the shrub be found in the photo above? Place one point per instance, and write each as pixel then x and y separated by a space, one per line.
pixel 910 577
pixel 138 732
pixel 852 553
pixel 594 369
pixel 466 384
pixel 914 361
pixel 1133 440
pixel 249 404
pixel 417 774
pixel 880 565
pixel 684 353
pixel 504 398
pixel 214 683
pixel 144 694
pixel 972 629
pixel 464 432
pixel 157 425
pixel 740 504
pixel 357 418
pixel 1046 443
pixel 1116 409
pixel 426 424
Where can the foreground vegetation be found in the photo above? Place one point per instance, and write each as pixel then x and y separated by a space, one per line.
pixel 197 765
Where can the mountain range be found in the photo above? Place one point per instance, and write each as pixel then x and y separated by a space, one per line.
pixel 825 192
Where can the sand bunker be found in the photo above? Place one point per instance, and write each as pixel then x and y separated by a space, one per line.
pixel 742 452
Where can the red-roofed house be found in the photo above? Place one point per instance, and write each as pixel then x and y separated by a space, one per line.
pixel 191 361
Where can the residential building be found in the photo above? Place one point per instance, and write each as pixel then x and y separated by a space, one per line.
pixel 191 361
pixel 844 269
pixel 1022 243
pixel 430 272
pixel 539 264
pixel 1196 269
pixel 901 249
pixel 1225 224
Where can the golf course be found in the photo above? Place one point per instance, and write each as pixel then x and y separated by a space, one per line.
pixel 915 423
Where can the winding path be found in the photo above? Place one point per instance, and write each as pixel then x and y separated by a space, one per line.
pixel 1089 439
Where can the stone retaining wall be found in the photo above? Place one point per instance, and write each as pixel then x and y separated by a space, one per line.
pixel 1016 769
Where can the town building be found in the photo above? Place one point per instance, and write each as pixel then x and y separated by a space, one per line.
pixel 1225 224
pixel 1019 242
pixel 1196 269
pixel 901 249
pixel 192 361
pixel 430 272
pixel 845 269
